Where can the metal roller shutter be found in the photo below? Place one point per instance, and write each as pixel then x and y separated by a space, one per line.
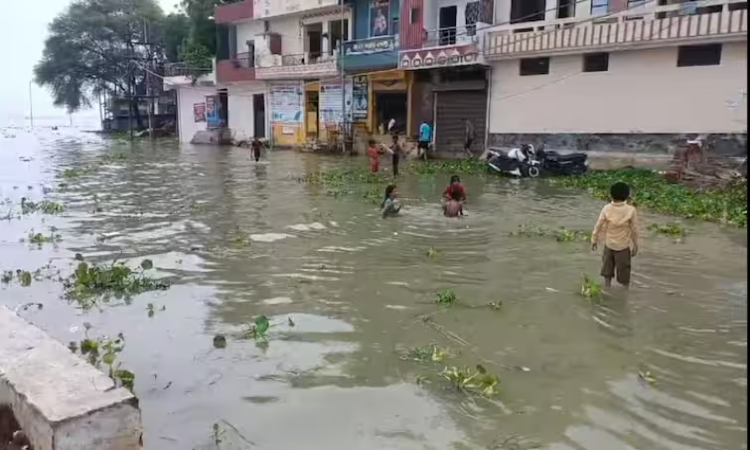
pixel 451 108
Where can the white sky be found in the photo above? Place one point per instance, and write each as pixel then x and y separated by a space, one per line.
pixel 23 29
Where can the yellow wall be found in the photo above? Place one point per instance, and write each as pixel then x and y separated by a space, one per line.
pixel 288 134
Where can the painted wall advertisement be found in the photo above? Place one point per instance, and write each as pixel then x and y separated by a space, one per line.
pixel 359 98
pixel 199 112
pixel 287 104
pixel 379 18
pixel 212 112
pixel 330 103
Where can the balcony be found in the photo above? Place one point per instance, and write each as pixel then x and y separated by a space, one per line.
pixel 304 65
pixel 240 68
pixel 234 12
pixel 446 47
pixel 180 74
pixel 372 53
pixel 714 21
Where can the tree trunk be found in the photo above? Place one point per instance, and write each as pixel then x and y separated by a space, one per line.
pixel 136 113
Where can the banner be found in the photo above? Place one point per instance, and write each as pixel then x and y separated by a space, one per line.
pixel 330 113
pixel 199 112
pixel 380 18
pixel 287 103
pixel 212 112
pixel 359 98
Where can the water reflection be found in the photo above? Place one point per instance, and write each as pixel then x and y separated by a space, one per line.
pixel 242 239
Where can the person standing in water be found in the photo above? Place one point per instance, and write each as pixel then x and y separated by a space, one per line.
pixel 372 154
pixel 396 153
pixel 619 222
pixel 390 206
pixel 256 145
pixel 454 206
pixel 470 134
pixel 425 137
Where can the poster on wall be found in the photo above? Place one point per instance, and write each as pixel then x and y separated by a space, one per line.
pixel 286 104
pixel 199 112
pixel 212 112
pixel 359 98
pixel 379 18
pixel 330 103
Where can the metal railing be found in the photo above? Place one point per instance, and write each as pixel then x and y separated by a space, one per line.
pixel 639 27
pixel 180 69
pixel 450 36
pixel 244 61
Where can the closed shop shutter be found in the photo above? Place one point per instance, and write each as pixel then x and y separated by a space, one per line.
pixel 451 108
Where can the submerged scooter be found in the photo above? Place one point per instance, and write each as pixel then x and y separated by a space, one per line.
pixel 520 162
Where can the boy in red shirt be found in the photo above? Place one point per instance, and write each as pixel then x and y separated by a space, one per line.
pixel 373 154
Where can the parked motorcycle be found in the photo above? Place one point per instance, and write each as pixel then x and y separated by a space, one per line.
pixel 518 162
pixel 554 163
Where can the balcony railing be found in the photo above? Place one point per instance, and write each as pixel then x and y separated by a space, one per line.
pixel 234 12
pixel 714 20
pixel 181 69
pixel 239 68
pixel 450 36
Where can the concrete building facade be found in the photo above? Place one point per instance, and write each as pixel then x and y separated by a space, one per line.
pixel 618 75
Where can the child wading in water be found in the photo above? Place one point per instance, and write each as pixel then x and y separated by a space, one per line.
pixel 455 188
pixel 396 152
pixel 619 222
pixel 372 153
pixel 256 146
pixel 454 206
pixel 390 206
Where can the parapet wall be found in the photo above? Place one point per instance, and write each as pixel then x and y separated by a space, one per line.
pixel 59 400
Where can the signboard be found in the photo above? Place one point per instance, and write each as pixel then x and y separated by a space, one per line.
pixel 330 103
pixel 359 98
pixel 380 22
pixel 199 112
pixel 212 112
pixel 372 45
pixel 439 57
pixel 286 103
pixel 270 8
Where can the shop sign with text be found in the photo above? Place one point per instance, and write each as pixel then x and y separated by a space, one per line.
pixel 439 57
pixel 372 45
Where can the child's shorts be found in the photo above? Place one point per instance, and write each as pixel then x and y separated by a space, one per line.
pixel 616 264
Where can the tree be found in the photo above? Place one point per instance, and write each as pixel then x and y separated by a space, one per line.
pixel 176 30
pixel 96 46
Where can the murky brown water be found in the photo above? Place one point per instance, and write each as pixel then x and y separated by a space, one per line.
pixel 354 285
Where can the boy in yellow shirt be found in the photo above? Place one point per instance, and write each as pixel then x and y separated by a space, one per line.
pixel 619 222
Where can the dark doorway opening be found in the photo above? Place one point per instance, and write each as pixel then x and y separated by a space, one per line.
pixel 447 23
pixel 223 108
pixel 391 105
pixel 259 115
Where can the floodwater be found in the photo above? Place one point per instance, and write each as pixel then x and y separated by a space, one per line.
pixel 355 285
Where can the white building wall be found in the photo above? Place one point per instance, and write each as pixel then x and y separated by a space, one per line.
pixel 187 96
pixel 246 31
pixel 241 113
pixel 643 92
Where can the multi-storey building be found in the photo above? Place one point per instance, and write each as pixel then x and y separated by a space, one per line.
pixel 618 74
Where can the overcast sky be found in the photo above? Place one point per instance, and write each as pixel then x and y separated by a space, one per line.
pixel 23 29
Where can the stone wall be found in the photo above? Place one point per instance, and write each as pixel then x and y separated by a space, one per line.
pixel 60 401
pixel 723 144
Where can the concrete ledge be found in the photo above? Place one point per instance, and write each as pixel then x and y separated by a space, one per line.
pixel 59 400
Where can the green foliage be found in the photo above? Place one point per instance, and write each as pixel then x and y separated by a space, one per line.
pixel 24 277
pixel 432 252
pixel 670 229
pixel 91 282
pixel 40 239
pixel 44 206
pixel 104 351
pixel 590 289
pixel 91 47
pixel 446 298
pixel 427 353
pixel 477 381
pixel 457 166
pixel 560 234
pixel 653 191
pixel 176 29
pixel 349 182
pixel 197 57
pixel 259 329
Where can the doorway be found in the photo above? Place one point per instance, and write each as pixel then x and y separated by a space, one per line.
pixel 259 115
pixel 448 20
pixel 311 114
pixel 391 105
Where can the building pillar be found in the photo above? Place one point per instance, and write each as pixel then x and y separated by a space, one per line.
pixel 551 9
pixel 326 44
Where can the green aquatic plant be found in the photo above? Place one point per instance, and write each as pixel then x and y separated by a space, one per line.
pixel 565 235
pixel 432 252
pixel 653 191
pixel 446 298
pixel 91 282
pixel 670 229
pixel 475 381
pixel 40 239
pixel 45 207
pixel 449 166
pixel 561 234
pixel 590 289
pixel 76 172
pixel 259 329
pixel 427 353
pixel 104 351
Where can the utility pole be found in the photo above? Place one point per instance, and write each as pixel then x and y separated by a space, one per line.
pixel 149 88
pixel 31 106
pixel 342 81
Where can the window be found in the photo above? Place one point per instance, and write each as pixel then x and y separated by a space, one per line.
pixel 414 16
pixel 599 7
pixel 699 55
pixel 534 66
pixel 596 62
